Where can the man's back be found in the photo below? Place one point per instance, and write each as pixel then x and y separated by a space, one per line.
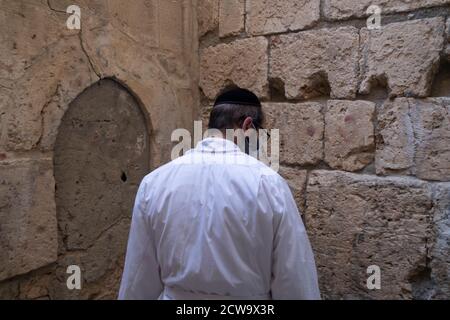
pixel 217 223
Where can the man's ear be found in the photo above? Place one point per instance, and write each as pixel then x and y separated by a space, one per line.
pixel 247 124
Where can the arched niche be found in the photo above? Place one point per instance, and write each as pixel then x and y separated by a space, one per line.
pixel 101 153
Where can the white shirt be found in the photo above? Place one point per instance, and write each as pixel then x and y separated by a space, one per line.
pixel 217 224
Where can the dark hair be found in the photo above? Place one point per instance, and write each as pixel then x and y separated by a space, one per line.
pixel 229 116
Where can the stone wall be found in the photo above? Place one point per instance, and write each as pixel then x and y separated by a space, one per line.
pixel 149 49
pixel 364 117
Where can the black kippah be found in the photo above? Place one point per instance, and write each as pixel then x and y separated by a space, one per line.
pixel 238 96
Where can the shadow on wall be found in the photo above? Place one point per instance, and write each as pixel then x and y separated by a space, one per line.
pixel 441 83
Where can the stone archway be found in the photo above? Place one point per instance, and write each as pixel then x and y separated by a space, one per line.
pixel 100 156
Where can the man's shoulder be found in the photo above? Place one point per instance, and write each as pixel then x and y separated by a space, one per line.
pixel 157 172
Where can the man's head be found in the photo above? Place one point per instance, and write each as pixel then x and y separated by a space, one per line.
pixel 236 109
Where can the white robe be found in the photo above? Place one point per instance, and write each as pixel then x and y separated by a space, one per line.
pixel 217 224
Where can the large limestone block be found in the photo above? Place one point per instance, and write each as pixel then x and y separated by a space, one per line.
pixel 231 17
pixel 395 152
pixel 301 131
pixel 403 56
pixel 272 16
pixel 314 63
pixel 356 221
pixel 243 63
pixel 28 236
pixel 343 9
pixel 415 135
pixel 349 134
pixel 208 16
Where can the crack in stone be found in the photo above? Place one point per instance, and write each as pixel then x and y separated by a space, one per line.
pixel 91 63
pixel 38 142
pixel 5 87
pixel 100 235
pixel 53 9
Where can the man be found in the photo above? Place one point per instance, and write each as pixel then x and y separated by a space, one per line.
pixel 218 224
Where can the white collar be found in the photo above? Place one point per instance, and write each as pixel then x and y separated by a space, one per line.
pixel 217 145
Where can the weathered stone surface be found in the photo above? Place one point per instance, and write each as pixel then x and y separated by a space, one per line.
pixel 36 287
pixel 349 134
pixel 440 249
pixel 415 135
pixel 355 221
pixel 28 29
pixel 403 56
pixel 343 9
pixel 101 270
pixel 5 104
pixel 301 131
pixel 396 149
pixel 171 25
pixel 45 75
pixel 272 16
pixel 231 17
pixel 447 29
pixel 27 217
pixel 93 224
pixel 208 16
pixel 38 54
pixel 101 266
pixel 104 125
pixel 45 90
pixel 158 79
pixel 150 46
pixel 141 20
pixel 432 133
pixel 242 63
pixel 297 182
pixel 447 48
pixel 319 62
pixel 447 52
pixel 9 290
